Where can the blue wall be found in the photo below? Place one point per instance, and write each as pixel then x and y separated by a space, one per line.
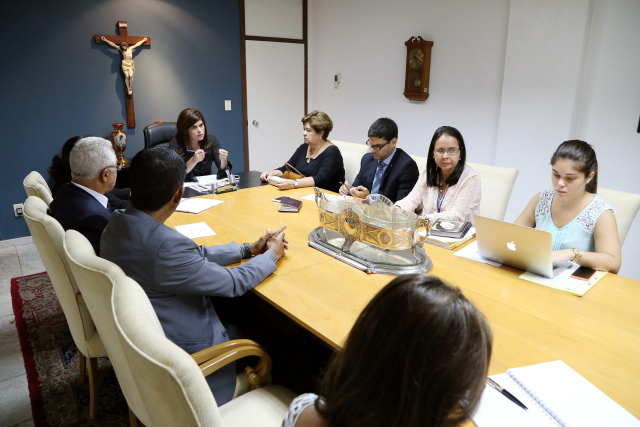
pixel 55 82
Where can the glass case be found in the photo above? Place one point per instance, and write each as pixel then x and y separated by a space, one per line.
pixel 370 235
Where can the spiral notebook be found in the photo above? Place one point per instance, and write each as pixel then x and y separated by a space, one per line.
pixel 555 395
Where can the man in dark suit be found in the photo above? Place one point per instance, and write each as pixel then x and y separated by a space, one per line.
pixel 81 204
pixel 179 276
pixel 386 170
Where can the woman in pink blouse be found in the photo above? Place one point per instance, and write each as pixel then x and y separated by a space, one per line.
pixel 448 188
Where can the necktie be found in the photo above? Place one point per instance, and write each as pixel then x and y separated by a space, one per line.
pixel 109 207
pixel 377 179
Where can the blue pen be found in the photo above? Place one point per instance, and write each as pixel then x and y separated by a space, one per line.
pixel 190 151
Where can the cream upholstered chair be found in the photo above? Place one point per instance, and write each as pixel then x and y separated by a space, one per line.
pixel 35 185
pixel 164 385
pixel 351 156
pixel 48 236
pixel 625 206
pixel 95 277
pixel 496 183
pixel 421 161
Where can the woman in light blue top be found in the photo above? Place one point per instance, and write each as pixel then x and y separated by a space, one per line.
pixel 582 224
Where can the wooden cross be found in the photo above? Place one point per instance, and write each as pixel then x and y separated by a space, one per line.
pixel 128 69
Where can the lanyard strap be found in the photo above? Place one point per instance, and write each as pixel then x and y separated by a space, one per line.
pixel 440 198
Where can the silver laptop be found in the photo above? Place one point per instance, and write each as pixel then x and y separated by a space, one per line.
pixel 514 245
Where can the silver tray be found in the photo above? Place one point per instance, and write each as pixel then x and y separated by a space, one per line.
pixel 370 258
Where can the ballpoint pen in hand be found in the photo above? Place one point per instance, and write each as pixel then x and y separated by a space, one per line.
pixel 509 396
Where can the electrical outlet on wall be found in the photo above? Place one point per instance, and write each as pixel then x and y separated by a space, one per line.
pixel 18 209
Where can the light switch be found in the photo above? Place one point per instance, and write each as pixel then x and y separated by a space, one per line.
pixel 227 105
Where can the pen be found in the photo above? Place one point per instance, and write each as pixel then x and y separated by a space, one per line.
pixel 190 151
pixel 509 396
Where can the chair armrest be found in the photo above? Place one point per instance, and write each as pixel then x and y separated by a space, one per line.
pixel 213 358
pixel 216 350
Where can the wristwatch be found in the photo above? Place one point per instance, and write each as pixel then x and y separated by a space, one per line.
pixel 577 255
pixel 295 183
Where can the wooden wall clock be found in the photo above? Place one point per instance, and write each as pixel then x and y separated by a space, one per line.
pixel 416 76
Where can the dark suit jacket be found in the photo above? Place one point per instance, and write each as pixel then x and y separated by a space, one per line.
pixel 78 210
pixel 399 177
pixel 180 277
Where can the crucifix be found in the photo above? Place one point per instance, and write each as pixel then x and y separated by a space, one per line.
pixel 125 45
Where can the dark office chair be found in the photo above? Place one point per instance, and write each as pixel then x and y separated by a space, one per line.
pixel 159 133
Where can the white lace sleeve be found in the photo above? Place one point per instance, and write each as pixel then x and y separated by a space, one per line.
pixel 298 405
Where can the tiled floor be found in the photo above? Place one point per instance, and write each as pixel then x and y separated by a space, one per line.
pixel 18 257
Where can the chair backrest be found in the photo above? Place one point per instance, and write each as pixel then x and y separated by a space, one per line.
pixel 496 183
pixel 96 278
pixel 159 133
pixel 35 185
pixel 351 156
pixel 48 236
pixel 175 391
pixel 625 206
pixel 421 161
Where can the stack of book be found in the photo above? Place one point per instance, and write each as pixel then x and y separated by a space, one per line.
pixel 288 204
pixel 450 234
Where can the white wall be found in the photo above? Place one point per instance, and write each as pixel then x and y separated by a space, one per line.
pixel 515 77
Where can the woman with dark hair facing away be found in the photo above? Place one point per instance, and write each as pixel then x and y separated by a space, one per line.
pixel 60 171
pixel 60 174
pixel 582 224
pixel 447 188
pixel 198 148
pixel 317 158
pixel 417 356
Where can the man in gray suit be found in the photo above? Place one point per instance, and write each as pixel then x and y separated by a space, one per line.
pixel 179 276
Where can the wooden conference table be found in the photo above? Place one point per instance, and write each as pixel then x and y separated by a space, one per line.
pixel 597 334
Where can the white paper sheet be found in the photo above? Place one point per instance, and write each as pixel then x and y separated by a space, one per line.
pixel 196 205
pixel 193 231
pixel 471 252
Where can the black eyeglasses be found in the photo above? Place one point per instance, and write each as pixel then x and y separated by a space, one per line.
pixel 450 151
pixel 377 147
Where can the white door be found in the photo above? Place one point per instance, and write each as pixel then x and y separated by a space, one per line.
pixel 275 102
pixel 275 79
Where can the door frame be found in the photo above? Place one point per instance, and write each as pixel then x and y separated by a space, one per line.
pixel 243 40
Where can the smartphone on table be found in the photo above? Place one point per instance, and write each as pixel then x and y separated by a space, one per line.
pixel 583 273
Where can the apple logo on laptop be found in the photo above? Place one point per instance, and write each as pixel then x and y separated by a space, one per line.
pixel 511 246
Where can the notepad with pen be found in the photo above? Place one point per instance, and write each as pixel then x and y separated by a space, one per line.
pixel 555 395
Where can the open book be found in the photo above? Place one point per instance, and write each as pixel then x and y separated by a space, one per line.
pixel 555 394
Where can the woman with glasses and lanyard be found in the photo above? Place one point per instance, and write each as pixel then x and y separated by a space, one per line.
pixel 448 188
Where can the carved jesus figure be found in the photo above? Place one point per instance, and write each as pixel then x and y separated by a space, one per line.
pixel 128 69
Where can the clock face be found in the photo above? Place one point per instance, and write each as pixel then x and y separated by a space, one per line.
pixel 416 58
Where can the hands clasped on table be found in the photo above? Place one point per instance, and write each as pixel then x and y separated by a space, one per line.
pixel 273 240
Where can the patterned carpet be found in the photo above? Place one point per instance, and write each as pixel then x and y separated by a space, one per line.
pixel 51 361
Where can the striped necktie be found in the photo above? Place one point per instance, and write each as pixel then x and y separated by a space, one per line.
pixel 377 179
